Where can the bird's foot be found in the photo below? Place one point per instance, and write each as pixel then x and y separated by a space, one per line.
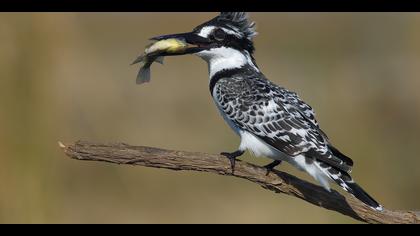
pixel 271 166
pixel 232 157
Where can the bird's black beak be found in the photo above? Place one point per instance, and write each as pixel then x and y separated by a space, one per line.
pixel 198 43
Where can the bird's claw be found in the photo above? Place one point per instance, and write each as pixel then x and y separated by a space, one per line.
pixel 271 166
pixel 232 158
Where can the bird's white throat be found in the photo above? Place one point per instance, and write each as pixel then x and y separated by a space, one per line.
pixel 224 58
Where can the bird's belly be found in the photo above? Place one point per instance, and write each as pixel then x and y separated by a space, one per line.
pixel 260 148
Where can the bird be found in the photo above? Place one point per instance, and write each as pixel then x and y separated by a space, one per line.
pixel 270 120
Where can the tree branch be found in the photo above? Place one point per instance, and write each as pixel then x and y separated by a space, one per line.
pixel 276 181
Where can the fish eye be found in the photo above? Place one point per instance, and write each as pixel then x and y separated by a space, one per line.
pixel 219 34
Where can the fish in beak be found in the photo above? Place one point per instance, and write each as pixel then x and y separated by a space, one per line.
pixel 168 45
pixel 195 43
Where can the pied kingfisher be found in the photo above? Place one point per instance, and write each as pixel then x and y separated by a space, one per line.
pixel 270 120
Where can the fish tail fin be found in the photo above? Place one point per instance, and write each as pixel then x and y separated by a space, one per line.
pixel 143 75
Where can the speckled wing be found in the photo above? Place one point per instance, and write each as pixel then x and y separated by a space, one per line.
pixel 309 115
pixel 304 109
pixel 276 116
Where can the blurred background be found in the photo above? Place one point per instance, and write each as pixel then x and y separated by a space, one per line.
pixel 66 76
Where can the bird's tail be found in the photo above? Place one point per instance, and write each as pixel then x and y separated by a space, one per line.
pixel 347 183
pixel 357 191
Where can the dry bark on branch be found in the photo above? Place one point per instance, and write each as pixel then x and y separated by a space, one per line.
pixel 276 181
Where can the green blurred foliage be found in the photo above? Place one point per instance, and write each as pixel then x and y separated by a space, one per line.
pixel 66 76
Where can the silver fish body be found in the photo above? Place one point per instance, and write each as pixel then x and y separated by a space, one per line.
pixel 155 52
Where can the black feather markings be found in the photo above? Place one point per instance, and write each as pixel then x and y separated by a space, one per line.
pixel 362 195
pixel 240 21
pixel 249 90
pixel 228 73
pixel 340 155
pixel 330 160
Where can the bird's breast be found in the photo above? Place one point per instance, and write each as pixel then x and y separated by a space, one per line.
pixel 232 125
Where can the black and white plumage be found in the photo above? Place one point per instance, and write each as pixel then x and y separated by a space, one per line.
pixel 270 120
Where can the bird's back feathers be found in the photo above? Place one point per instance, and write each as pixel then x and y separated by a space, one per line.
pixel 281 120
pixel 275 115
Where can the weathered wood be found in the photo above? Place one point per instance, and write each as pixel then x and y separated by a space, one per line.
pixel 276 181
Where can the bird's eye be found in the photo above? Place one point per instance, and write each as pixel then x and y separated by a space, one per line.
pixel 219 34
